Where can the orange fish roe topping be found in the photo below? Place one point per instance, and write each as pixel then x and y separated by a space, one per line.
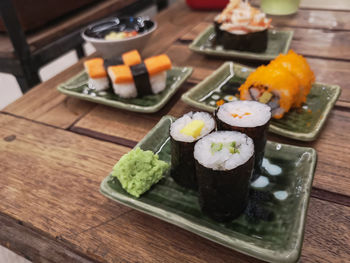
pixel 95 69
pixel 235 115
pixel 220 102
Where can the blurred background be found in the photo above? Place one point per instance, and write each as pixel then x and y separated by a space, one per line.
pixel 41 38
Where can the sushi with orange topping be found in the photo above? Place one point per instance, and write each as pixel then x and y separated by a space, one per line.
pixel 142 79
pixel 98 79
pixel 242 27
pixel 283 84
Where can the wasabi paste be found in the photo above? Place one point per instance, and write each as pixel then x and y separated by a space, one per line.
pixel 138 170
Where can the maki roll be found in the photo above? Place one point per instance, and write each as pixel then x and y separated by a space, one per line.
pixel 224 164
pixel 98 79
pixel 273 86
pixel 142 79
pixel 242 27
pixel 184 132
pixel 300 69
pixel 129 58
pixel 249 117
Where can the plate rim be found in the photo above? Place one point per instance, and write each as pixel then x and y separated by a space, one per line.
pixel 122 105
pixel 238 54
pixel 265 254
pixel 308 136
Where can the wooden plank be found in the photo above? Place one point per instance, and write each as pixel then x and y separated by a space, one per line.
pixel 45 104
pixel 49 178
pixel 309 42
pixel 136 237
pixel 33 245
pixel 316 19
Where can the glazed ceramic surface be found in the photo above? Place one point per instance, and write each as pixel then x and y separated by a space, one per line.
pixel 303 124
pixel 78 87
pixel 272 226
pixel 278 42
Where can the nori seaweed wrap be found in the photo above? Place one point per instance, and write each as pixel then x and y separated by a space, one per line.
pixel 252 42
pixel 224 164
pixel 184 132
pixel 249 117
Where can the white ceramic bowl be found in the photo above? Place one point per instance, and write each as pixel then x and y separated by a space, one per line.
pixel 113 48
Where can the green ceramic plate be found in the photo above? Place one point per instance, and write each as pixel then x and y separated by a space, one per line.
pixel 302 124
pixel 78 87
pixel 273 226
pixel 278 42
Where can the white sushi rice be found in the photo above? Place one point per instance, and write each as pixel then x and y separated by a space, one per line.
pixel 179 124
pixel 259 113
pixel 99 83
pixel 223 159
pixel 128 90
pixel 158 82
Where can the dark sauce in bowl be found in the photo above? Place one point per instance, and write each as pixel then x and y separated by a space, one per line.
pixel 124 24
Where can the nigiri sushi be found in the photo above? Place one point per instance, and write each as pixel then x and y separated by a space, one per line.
pixel 97 74
pixel 142 79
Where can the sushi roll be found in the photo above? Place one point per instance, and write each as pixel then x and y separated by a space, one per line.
pixel 142 79
pixel 184 132
pixel 273 86
pixel 300 69
pixel 98 79
pixel 129 58
pixel 242 27
pixel 249 117
pixel 224 163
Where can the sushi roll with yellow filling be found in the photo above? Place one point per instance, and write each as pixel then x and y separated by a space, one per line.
pixel 184 132
pixel 97 74
pixel 274 86
pixel 142 79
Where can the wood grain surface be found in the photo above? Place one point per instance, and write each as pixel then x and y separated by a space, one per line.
pixel 50 178
pixel 136 237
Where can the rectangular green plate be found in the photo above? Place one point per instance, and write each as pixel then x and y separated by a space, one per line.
pixel 301 124
pixel 278 42
pixel 78 87
pixel 276 238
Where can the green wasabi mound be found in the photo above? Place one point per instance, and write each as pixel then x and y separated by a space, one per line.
pixel 138 170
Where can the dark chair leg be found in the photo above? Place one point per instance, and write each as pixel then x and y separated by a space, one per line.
pixel 23 84
pixel 29 78
pixel 80 51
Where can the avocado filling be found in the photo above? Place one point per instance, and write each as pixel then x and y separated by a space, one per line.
pixel 217 147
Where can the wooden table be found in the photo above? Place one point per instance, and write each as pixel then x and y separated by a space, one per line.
pixel 55 151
